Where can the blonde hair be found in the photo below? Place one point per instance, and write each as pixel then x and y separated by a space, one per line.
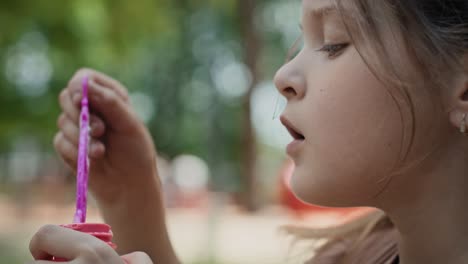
pixel 434 35
pixel 368 237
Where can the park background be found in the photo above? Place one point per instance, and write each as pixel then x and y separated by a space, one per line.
pixel 199 75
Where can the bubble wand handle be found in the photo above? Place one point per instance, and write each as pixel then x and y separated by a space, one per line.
pixel 83 160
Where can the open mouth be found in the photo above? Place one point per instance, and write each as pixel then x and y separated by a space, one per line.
pixel 295 133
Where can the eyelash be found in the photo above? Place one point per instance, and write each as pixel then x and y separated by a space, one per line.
pixel 333 50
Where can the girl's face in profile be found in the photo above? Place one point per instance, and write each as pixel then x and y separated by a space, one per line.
pixel 347 126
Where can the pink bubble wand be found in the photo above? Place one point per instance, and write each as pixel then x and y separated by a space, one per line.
pixel 83 160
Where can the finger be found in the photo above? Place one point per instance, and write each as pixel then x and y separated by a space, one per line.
pixel 69 129
pixel 70 164
pixel 111 83
pixel 76 100
pixel 48 242
pixel 97 149
pixel 68 106
pixel 75 83
pixel 65 243
pixel 98 127
pixel 115 112
pixel 66 150
pixel 137 258
pixel 97 124
pixel 49 262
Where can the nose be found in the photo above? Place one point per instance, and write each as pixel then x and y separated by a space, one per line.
pixel 290 81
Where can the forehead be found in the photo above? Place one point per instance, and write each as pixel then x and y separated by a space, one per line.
pixel 318 7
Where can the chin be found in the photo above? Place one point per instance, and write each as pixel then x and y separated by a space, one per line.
pixel 309 189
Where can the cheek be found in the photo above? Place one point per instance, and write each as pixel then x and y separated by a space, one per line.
pixel 354 135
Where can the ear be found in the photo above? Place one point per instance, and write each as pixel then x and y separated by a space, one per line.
pixel 459 96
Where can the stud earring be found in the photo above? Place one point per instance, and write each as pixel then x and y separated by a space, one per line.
pixel 463 124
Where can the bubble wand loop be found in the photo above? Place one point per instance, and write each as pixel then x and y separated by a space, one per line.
pixel 83 161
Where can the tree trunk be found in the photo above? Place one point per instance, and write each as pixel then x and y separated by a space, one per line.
pixel 251 44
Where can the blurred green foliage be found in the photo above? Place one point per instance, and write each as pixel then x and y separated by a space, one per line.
pixel 182 61
pixel 171 55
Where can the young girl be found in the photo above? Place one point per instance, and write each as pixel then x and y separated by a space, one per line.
pixel 377 105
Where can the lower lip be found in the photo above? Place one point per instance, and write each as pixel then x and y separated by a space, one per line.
pixel 294 146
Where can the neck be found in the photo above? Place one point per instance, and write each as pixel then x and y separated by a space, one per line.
pixel 431 214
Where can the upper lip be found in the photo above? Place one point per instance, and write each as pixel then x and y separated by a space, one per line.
pixel 295 133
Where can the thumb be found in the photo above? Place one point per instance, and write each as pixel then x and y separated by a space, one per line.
pixel 137 258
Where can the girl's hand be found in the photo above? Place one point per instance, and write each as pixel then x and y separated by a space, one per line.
pixel 123 176
pixel 122 154
pixel 78 248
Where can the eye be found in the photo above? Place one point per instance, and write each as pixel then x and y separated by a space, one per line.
pixel 334 50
